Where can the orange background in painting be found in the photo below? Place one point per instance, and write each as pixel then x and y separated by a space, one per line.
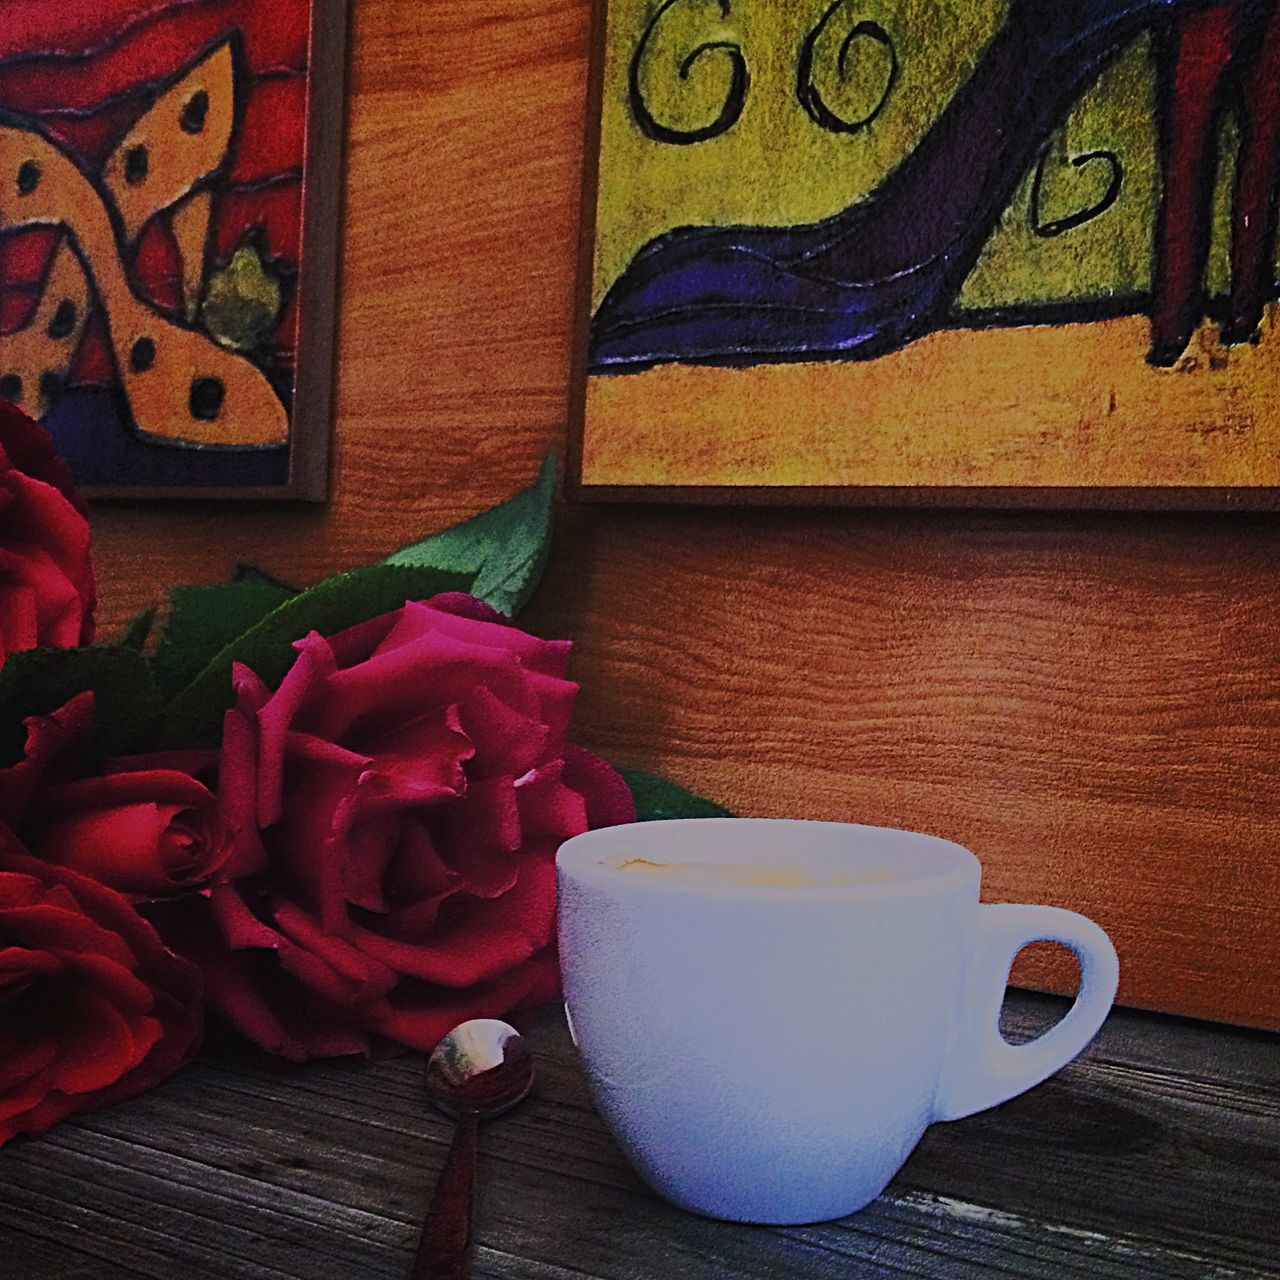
pixel 1044 406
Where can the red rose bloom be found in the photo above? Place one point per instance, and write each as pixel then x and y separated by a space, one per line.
pixel 93 1007
pixel 400 800
pixel 46 578
pixel 145 827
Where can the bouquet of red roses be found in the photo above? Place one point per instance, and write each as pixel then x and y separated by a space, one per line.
pixel 328 816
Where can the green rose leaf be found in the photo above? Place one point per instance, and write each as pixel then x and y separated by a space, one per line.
pixel 204 620
pixel 38 681
pixel 136 630
pixel 504 550
pixel 656 798
pixel 194 717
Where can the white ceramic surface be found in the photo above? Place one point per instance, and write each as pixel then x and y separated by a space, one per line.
pixel 773 1054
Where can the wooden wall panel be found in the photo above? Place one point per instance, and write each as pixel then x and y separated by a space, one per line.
pixel 1092 703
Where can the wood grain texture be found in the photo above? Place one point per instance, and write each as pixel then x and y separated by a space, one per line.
pixel 1092 702
pixel 1150 1158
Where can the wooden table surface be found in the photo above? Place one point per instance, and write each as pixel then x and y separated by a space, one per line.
pixel 1156 1156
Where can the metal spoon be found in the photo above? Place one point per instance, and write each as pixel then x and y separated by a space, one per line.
pixel 479 1070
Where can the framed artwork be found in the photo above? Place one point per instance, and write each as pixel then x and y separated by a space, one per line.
pixel 169 188
pixel 982 252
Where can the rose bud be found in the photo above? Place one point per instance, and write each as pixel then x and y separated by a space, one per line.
pixel 145 827
pixel 150 833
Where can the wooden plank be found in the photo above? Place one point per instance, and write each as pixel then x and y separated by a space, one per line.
pixel 1091 702
pixel 1151 1158
pixel 34 1257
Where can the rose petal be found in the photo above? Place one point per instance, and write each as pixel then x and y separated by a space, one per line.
pixel 195 764
pixel 158 786
pixel 609 799
pixel 420 1014
pixel 256 997
pixel 428 660
pixel 549 808
pixel 476 939
pixel 481 832
pixel 20 1065
pixel 57 924
pixel 505 740
pixel 240 927
pixel 117 1014
pixel 238 791
pixel 145 849
pixel 19 617
pixel 419 761
pixel 47 544
pixel 16 1111
pixel 355 644
pixel 388 856
pixel 115 981
pixel 28 447
pixel 368 847
pixel 117 1045
pixel 306 839
pixel 454 613
pixel 53 749
pixel 318 972
pixel 408 924
pixel 302 946
pixel 366 975
pixel 22 964
pixel 275 1011
pixel 313 667
pixel 417 869
pixel 58 602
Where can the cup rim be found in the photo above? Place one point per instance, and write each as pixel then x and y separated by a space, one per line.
pixel 580 859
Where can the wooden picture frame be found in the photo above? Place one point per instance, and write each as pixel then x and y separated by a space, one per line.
pixel 184 174
pixel 1003 404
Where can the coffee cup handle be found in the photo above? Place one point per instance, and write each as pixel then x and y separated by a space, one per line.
pixel 983 1069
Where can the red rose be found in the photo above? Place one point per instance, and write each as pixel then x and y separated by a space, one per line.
pixel 46 578
pixel 93 1007
pixel 404 793
pixel 145 827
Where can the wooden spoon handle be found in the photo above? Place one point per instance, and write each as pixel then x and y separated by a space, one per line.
pixel 444 1247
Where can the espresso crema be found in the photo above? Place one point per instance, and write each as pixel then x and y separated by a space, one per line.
pixel 756 875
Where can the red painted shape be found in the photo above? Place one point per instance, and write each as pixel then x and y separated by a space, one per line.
pixel 74 25
pixel 1253 231
pixel 273 129
pixel 25 253
pixel 1202 48
pixel 274 212
pixel 94 365
pixel 92 137
pixel 17 304
pixel 150 49
pixel 157 268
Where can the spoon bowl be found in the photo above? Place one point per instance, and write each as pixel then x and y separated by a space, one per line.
pixel 481 1068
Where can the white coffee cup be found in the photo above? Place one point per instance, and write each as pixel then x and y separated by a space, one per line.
pixel 771 1013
